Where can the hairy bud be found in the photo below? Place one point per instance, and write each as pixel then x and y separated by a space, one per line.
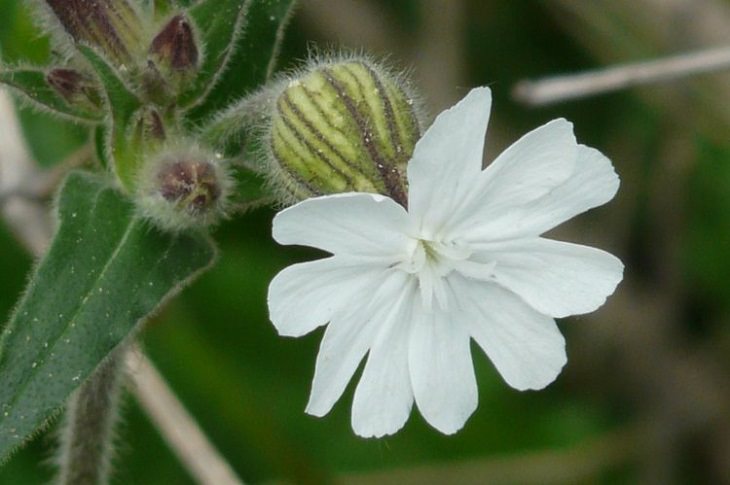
pixel 172 59
pixel 111 25
pixel 74 86
pixel 174 49
pixel 182 188
pixel 149 129
pixel 343 126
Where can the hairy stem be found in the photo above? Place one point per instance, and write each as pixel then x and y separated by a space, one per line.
pixel 86 439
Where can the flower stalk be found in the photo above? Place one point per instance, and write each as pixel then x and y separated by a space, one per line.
pixel 86 449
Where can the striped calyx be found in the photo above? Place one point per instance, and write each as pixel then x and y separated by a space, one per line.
pixel 345 126
pixel 113 26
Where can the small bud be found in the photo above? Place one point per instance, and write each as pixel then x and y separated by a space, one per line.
pixel 174 49
pixel 74 86
pixel 343 126
pixel 183 188
pixel 172 60
pixel 111 25
pixel 149 129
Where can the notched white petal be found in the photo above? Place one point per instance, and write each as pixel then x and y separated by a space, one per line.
pixel 347 339
pixel 448 158
pixel 524 345
pixel 528 170
pixel 441 369
pixel 383 397
pixel 556 278
pixel 592 183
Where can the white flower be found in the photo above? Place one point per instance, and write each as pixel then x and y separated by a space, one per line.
pixel 410 288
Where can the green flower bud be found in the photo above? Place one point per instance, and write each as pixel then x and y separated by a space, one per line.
pixel 343 126
pixel 181 188
pixel 113 26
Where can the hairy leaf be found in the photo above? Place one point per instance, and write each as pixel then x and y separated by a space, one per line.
pixel 252 60
pixel 106 271
pixel 219 23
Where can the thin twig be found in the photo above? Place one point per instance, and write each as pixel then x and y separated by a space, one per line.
pixel 28 219
pixel 561 88
pixel 581 463
pixel 178 427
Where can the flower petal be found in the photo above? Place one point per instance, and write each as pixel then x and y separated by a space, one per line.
pixel 366 225
pixel 346 340
pixel 304 296
pixel 556 278
pixel 525 346
pixel 441 369
pixel 384 397
pixel 533 166
pixel 448 157
pixel 592 183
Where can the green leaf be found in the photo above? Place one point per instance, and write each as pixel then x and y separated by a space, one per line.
pixel 32 85
pixel 106 271
pixel 123 103
pixel 252 61
pixel 219 23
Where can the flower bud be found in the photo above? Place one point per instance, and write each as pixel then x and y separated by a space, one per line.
pixel 183 188
pixel 174 49
pixel 343 126
pixel 149 129
pixel 74 86
pixel 111 25
pixel 172 60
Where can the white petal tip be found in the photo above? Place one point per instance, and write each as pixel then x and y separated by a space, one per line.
pixel 376 432
pixel 551 371
pixel 316 411
pixel 449 428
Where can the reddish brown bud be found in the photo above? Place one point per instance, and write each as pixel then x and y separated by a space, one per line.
pixel 149 127
pixel 174 48
pixel 183 187
pixel 192 184
pixel 74 86
pixel 111 25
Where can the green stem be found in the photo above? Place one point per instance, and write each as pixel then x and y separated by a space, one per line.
pixel 86 438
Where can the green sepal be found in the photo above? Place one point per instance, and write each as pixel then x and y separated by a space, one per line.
pixel 123 152
pixel 106 271
pixel 251 63
pixel 32 84
pixel 100 138
pixel 219 25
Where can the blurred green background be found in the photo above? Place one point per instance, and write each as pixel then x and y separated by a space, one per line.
pixel 645 396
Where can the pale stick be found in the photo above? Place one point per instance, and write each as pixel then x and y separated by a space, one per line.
pixel 181 431
pixel 29 221
pixel 561 88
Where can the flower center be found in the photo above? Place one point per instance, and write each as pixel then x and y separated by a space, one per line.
pixel 430 261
